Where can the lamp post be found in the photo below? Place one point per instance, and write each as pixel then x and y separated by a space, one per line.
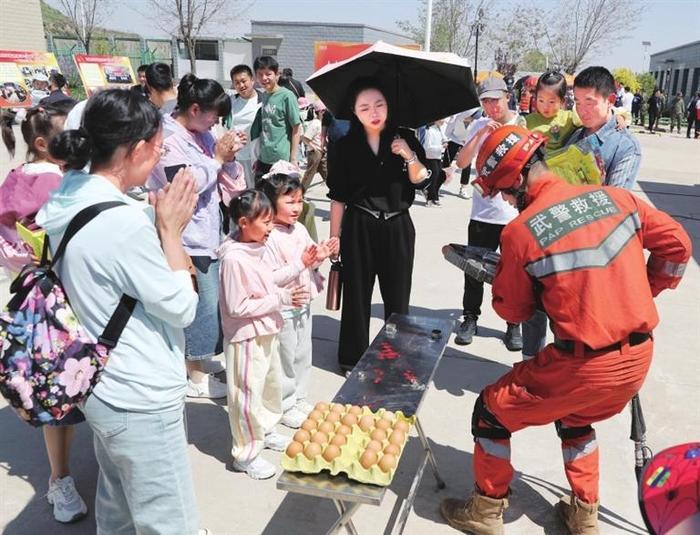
pixel 428 25
pixel 646 45
pixel 478 26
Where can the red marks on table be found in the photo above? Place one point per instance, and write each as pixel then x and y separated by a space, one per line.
pixel 386 352
pixel 410 376
pixel 378 375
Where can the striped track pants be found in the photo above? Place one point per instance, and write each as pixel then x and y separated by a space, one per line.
pixel 253 374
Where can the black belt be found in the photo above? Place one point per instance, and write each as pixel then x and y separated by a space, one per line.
pixel 378 214
pixel 634 340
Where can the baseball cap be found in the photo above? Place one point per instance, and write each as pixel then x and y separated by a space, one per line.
pixel 39 77
pixel 492 87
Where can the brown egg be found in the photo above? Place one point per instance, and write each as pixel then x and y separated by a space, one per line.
pixel 294 449
pixel 355 410
pixel 388 415
pixel 302 435
pixel 319 437
pixel 312 450
pixel 374 445
pixel 331 452
pixel 339 440
pixel 368 458
pixel 326 427
pixel 333 417
pixel 309 425
pixel 393 449
pixel 383 424
pixel 343 430
pixel 378 435
pixel 316 415
pixel 321 406
pixel 387 462
pixel 397 438
pixel 401 426
pixel 338 408
pixel 349 420
pixel 366 422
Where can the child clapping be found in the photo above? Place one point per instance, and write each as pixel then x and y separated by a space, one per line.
pixel 294 258
pixel 251 305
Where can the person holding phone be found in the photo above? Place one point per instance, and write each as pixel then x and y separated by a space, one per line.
pixel 187 142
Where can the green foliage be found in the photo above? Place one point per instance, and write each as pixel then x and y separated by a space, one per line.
pixel 75 84
pixel 646 82
pixel 626 78
pixel 533 61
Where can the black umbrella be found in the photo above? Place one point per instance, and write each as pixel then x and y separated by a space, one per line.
pixel 421 87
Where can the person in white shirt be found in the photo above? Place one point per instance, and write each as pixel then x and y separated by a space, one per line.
pixel 627 98
pixel 434 144
pixel 489 215
pixel 315 155
pixel 244 107
pixel 456 133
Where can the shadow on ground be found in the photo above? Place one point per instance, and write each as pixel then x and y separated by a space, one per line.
pixel 680 202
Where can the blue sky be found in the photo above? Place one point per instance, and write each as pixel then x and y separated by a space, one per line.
pixel 666 23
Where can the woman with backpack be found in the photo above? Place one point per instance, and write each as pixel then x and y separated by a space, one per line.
pixel 25 189
pixel 136 410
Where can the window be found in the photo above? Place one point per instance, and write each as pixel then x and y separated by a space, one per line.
pixel 203 50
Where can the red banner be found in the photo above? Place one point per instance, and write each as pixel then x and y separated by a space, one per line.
pixel 24 77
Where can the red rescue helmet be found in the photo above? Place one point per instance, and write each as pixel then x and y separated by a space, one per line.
pixel 502 157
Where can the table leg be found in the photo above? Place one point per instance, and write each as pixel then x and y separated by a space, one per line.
pixel 410 498
pixel 429 454
pixel 345 519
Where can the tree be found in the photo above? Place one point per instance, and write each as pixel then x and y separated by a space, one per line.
pixel 646 82
pixel 84 16
pixel 514 35
pixel 579 27
pixel 533 61
pixel 187 19
pixel 626 78
pixel 453 27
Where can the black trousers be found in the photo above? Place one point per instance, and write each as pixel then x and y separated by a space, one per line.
pixel 372 248
pixel 451 154
pixel 653 117
pixel 486 235
pixel 437 178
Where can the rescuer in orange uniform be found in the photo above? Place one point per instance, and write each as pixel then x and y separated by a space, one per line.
pixel 577 252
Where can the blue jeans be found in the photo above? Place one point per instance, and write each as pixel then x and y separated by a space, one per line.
pixel 203 338
pixel 534 334
pixel 145 482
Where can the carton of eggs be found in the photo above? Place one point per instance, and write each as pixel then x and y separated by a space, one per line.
pixel 351 439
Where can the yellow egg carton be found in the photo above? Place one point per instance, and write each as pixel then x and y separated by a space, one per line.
pixel 377 469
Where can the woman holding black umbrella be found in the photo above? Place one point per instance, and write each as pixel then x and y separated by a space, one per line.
pixel 372 186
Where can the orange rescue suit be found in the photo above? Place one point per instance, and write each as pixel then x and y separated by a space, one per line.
pixel 578 252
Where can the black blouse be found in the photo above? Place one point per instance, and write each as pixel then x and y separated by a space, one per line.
pixel 378 182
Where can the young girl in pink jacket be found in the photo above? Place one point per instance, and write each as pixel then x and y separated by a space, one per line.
pixel 251 318
pixel 288 244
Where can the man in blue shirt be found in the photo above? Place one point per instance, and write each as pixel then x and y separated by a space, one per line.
pixel 618 151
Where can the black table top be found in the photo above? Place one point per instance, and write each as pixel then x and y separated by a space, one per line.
pixel 395 371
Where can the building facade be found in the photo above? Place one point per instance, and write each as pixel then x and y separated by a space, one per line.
pixel 292 43
pixel 677 69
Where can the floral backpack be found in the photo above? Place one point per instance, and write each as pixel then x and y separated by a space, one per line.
pixel 48 363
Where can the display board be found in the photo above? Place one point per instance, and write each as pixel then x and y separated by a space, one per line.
pixel 98 72
pixel 24 77
pixel 326 52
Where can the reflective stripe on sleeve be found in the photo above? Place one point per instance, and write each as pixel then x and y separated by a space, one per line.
pixel 494 449
pixel 599 256
pixel 665 267
pixel 574 452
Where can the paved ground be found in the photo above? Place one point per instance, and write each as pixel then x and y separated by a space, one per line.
pixel 231 503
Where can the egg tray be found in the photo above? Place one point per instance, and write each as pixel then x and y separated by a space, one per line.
pixel 348 462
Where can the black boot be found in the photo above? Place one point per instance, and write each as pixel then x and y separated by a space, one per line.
pixel 513 339
pixel 466 331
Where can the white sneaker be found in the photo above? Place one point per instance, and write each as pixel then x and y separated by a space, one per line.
pixel 213 366
pixel 294 418
pixel 210 388
pixel 258 468
pixel 463 192
pixel 304 406
pixel 68 506
pixel 277 441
